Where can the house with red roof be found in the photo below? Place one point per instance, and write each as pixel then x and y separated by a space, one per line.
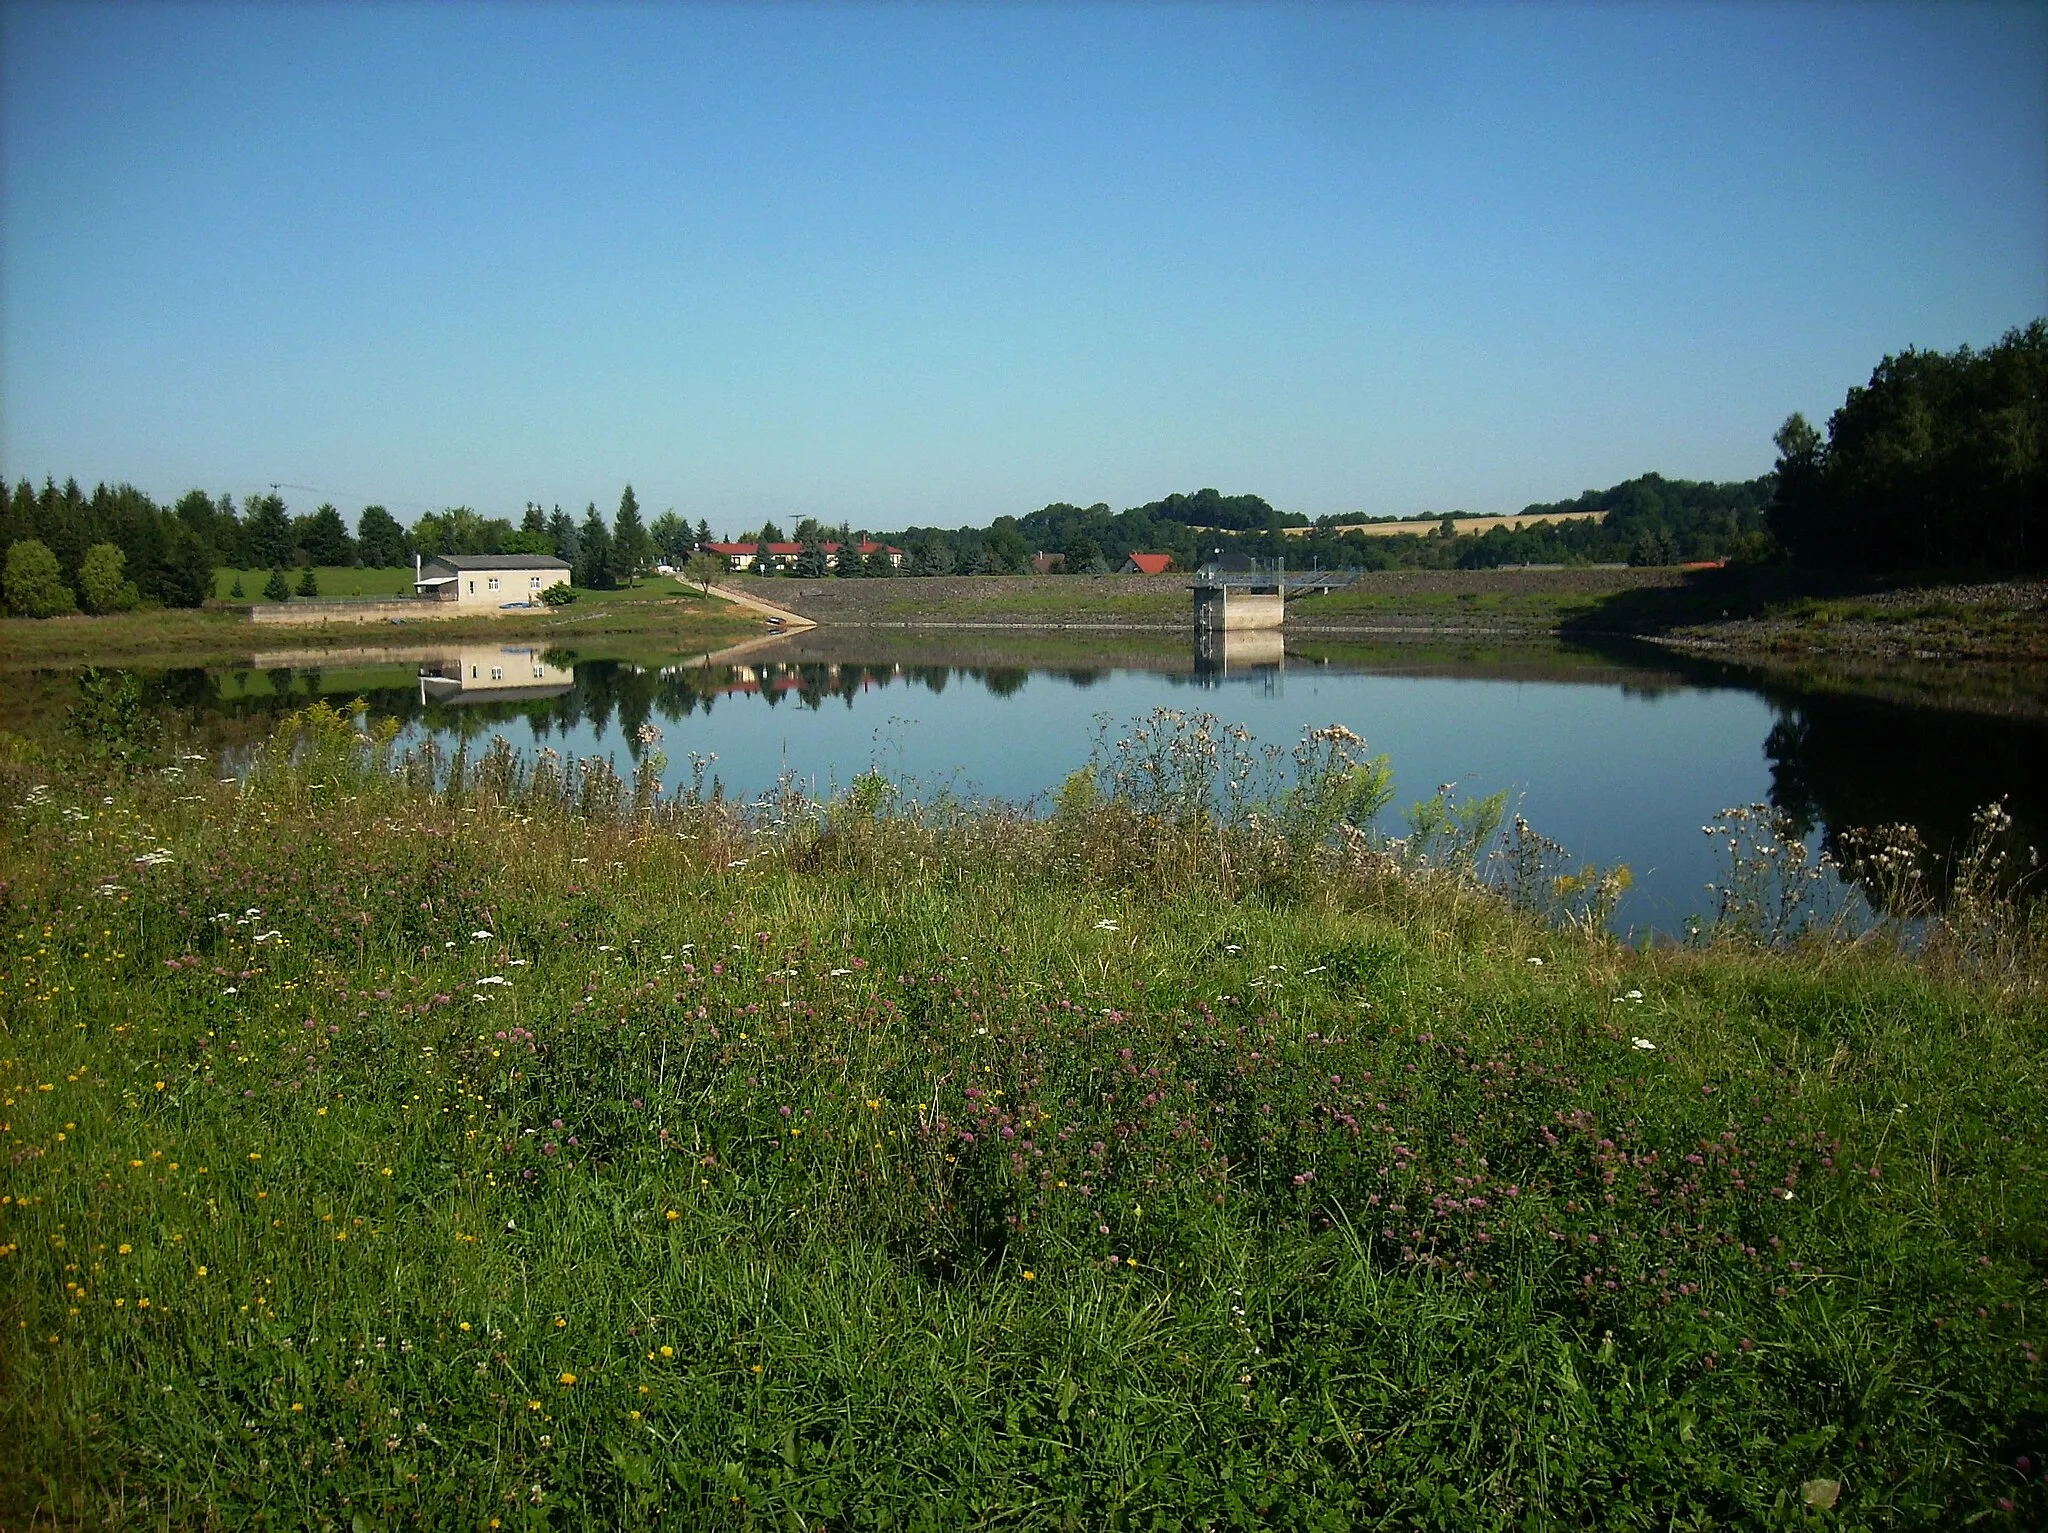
pixel 1147 564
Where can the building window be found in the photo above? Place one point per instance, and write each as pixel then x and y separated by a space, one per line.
pixel 472 673
pixel 497 673
pixel 540 673
pixel 533 582
pixel 491 584
pixel 472 588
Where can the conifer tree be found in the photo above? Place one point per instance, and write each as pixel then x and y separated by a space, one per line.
pixel 594 561
pixel 632 549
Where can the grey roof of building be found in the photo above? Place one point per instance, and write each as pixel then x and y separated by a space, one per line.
pixel 499 561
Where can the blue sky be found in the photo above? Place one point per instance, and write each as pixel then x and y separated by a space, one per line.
pixel 932 264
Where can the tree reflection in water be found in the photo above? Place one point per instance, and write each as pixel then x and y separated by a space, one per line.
pixel 1840 763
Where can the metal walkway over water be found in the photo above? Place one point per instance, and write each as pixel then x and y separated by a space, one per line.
pixel 1273 578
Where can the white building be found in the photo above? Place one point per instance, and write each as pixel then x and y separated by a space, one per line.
pixel 487 582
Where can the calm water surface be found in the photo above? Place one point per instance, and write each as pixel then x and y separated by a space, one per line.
pixel 1619 759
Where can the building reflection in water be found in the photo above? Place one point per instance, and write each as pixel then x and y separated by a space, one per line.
pixel 493 673
pixel 1258 654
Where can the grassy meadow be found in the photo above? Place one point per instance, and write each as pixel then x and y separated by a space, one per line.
pixel 512 1149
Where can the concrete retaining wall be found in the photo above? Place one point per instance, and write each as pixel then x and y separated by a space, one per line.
pixel 398 607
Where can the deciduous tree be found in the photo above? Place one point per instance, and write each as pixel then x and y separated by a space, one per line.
pixel 103 580
pixel 33 583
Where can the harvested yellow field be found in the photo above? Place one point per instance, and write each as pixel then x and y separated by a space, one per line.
pixel 1463 524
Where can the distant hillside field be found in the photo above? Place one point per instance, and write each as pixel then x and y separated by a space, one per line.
pixel 1461 525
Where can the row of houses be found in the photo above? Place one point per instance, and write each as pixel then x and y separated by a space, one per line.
pixel 783 556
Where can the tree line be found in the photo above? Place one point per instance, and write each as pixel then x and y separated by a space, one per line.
pixel 117 548
pixel 1649 520
pixel 1939 462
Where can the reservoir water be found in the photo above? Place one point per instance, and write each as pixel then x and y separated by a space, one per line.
pixel 1619 756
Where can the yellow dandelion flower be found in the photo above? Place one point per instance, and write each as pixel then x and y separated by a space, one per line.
pixel 674 1215
pixel 668 1351
pixel 297 1407
pixel 560 1323
pixel 533 1405
pixel 757 1367
pixel 1030 1276
pixel 202 1271
pixel 566 1380
pixel 125 1248
pixel 632 1415
pixel 464 1326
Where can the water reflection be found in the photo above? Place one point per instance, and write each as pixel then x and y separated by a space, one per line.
pixel 1225 652
pixel 494 673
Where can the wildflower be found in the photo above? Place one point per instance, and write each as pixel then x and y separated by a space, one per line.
pixel 480 936
pixel 566 1380
pixel 673 1215
pixel 125 1248
pixel 1644 1044
pixel 202 1272
pixel 668 1351
pixel 533 1405
pixel 1030 1276
pixel 464 1326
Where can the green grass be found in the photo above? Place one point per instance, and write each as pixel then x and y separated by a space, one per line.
pixel 334 580
pixel 964 1171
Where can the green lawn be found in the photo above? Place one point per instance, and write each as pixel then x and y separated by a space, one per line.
pixel 334 580
pixel 379 1156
